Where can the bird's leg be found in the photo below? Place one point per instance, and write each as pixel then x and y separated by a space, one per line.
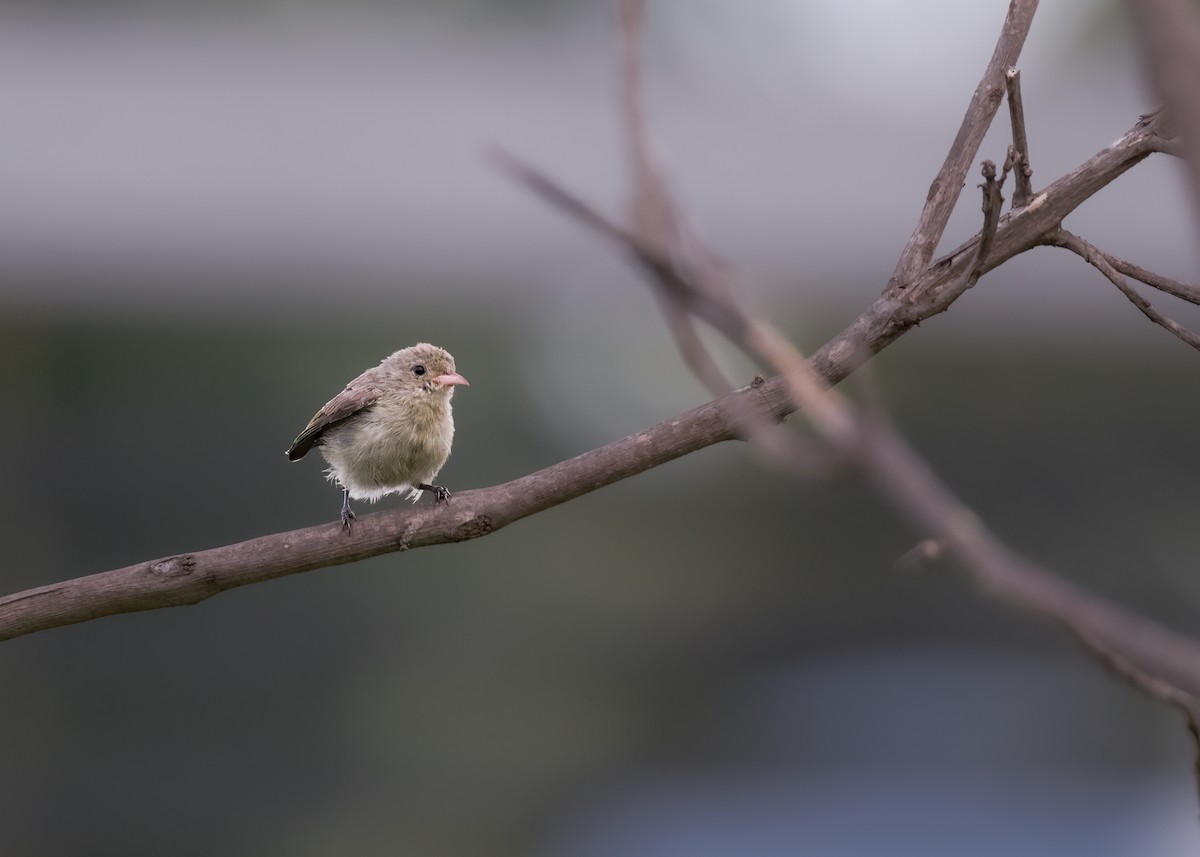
pixel 347 513
pixel 440 494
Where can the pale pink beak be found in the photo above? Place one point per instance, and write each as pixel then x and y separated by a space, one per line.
pixel 453 379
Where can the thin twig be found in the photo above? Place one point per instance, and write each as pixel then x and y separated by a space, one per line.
pixel 1016 114
pixel 1100 261
pixel 947 185
pixel 1175 288
pixel 1010 160
pixel 991 206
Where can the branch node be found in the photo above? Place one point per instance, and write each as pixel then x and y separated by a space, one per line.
pixel 173 566
pixel 480 525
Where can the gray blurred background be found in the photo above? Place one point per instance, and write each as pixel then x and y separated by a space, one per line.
pixel 215 214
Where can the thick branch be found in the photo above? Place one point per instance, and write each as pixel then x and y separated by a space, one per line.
pixel 193 577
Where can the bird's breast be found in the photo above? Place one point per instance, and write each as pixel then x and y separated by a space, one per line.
pixel 390 446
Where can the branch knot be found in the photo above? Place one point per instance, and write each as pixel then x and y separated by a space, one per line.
pixel 173 566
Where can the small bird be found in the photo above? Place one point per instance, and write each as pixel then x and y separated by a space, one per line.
pixel 390 430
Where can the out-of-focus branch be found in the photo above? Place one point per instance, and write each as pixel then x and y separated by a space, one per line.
pixel 1155 688
pixel 947 185
pixel 653 212
pixel 1170 37
pixel 687 273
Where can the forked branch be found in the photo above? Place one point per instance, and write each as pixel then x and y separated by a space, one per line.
pixel 1099 260
pixel 946 186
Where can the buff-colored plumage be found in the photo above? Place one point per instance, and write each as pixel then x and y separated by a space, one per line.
pixel 390 430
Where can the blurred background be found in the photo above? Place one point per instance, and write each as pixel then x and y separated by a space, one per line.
pixel 215 214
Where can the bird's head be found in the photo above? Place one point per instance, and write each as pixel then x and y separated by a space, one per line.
pixel 425 368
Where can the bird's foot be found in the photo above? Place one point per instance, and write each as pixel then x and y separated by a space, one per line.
pixel 440 494
pixel 347 513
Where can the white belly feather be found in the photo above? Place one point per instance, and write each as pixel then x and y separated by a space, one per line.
pixel 389 448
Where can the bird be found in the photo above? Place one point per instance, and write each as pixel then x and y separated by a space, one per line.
pixel 390 430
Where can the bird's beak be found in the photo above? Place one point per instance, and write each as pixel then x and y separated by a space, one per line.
pixel 452 379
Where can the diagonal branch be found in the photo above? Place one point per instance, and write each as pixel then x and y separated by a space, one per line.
pixel 192 577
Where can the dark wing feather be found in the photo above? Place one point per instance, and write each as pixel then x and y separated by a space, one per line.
pixel 341 407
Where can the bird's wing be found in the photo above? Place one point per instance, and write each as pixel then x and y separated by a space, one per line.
pixel 356 397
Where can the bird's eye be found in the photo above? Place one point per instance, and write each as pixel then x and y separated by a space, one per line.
pixel 418 370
